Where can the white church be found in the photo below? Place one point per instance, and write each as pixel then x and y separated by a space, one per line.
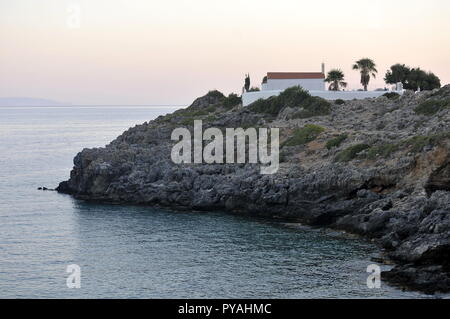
pixel 314 82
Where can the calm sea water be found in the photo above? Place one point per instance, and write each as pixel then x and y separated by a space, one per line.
pixel 144 252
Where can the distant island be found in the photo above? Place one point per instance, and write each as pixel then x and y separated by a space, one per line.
pixel 28 101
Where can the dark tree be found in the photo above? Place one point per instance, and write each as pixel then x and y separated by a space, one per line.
pixel 423 80
pixel 431 82
pixel 397 73
pixel 412 79
pixel 247 83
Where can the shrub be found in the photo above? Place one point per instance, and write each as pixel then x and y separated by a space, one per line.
pixel 190 115
pixel 432 107
pixel 304 135
pixel 265 106
pixel 383 151
pixel 210 109
pixel 187 121
pixel 273 105
pixel 314 106
pixel 337 141
pixel 231 101
pixel 201 112
pixel 339 102
pixel 392 95
pixel 417 143
pixel 210 118
pixel 294 97
pixel 350 153
pixel 216 94
pixel 254 89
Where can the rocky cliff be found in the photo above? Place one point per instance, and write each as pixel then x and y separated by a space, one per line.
pixel 377 167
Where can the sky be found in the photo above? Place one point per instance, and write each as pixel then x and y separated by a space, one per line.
pixel 172 51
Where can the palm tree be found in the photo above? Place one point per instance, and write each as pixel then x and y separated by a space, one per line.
pixel 367 68
pixel 336 79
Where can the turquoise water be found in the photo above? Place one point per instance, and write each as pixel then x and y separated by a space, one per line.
pixel 144 252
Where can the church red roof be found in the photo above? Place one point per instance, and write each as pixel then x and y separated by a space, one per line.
pixel 294 75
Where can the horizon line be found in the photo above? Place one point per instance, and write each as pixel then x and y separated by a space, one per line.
pixel 99 105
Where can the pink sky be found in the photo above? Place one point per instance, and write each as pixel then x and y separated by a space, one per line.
pixel 169 52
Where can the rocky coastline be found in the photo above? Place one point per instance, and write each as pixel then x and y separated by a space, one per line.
pixel 379 168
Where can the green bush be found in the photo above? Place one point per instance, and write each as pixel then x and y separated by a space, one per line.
pixel 414 144
pixel 417 143
pixel 337 141
pixel 314 106
pixel 231 101
pixel 383 151
pixel 210 109
pixel 294 97
pixel 339 102
pixel 268 106
pixel 201 112
pixel 304 135
pixel 350 153
pixel 392 95
pixel 432 107
pixel 187 121
pixel 190 115
pixel 210 118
